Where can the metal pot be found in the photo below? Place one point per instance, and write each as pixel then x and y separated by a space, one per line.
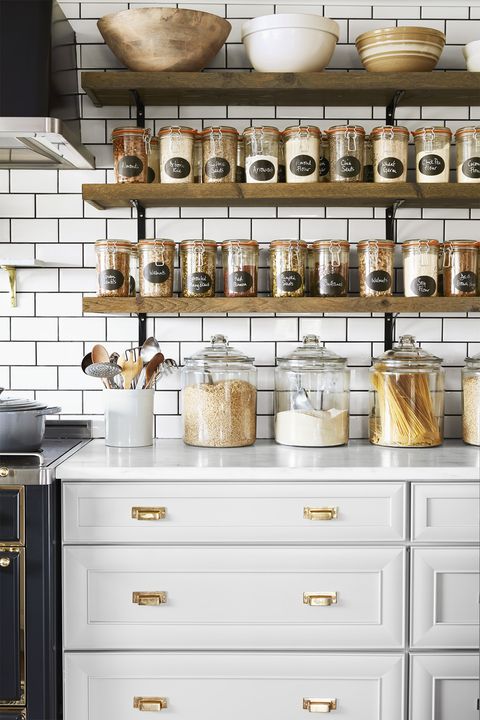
pixel 22 424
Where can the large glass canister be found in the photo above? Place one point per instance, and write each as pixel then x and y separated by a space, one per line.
pixel 329 268
pixel 113 267
pixel 131 146
pixel 346 153
pixel 261 154
pixel 432 154
pixel 219 398
pixel 407 397
pixel 375 267
pixel 460 268
pixel 467 142
pixel 288 264
pixel 219 145
pixel 471 400
pixel 390 149
pixel 302 153
pixel 240 268
pixel 420 268
pixel 176 154
pixel 198 262
pixel 312 388
pixel 156 267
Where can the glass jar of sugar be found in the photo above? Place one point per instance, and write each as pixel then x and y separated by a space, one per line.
pixel 261 154
pixel 346 153
pixel 302 153
pixel 432 154
pixel 219 145
pixel 390 149
pixel 468 154
pixel 176 154
pixel 420 268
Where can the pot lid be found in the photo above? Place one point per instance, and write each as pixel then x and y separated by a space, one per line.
pixel 407 351
pixel 219 351
pixel 11 404
pixel 311 353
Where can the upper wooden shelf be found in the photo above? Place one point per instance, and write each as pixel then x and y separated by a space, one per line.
pixel 332 87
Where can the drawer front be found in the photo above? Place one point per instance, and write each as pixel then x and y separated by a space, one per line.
pixel 233 598
pixel 446 512
pixel 11 625
pixel 445 589
pixel 218 686
pixel 11 515
pixel 232 512
pixel 444 686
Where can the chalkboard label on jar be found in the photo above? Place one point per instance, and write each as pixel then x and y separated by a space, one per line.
pixel 262 170
pixel 348 166
pixel 390 167
pixel 150 175
pixel 217 168
pixel 471 168
pixel 379 280
pixel 332 284
pixel 289 281
pixel 130 166
pixel 178 168
pixel 423 286
pixel 199 283
pixel 240 281
pixel 156 273
pixel 431 165
pixel 132 286
pixel 465 281
pixel 324 166
pixel 111 279
pixel 303 165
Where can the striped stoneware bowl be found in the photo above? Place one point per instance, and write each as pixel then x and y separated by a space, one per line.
pixel 400 49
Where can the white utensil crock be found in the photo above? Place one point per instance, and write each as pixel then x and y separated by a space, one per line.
pixel 128 418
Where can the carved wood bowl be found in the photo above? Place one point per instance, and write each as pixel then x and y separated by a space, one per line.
pixel 165 39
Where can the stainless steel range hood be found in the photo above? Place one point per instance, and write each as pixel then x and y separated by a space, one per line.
pixel 39 94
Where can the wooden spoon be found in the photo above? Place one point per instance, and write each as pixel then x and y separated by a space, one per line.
pixel 130 368
pixel 99 354
pixel 152 368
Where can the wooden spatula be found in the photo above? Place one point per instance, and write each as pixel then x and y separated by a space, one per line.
pixel 130 368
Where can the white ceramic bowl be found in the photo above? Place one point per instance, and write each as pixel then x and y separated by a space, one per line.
pixel 290 42
pixel 471 52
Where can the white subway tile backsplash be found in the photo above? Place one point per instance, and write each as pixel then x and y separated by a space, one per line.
pixel 17 206
pixel 18 353
pixel 41 329
pixel 33 181
pixel 84 329
pixel 275 329
pixel 65 206
pixel 30 378
pixel 34 231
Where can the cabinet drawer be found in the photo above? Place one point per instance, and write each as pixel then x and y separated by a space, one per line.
pixel 233 598
pixel 443 687
pixel 446 512
pixel 233 512
pixel 11 515
pixel 445 587
pixel 219 686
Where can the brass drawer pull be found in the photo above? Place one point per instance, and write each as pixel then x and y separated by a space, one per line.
pixel 5 562
pixel 149 598
pixel 319 706
pixel 148 513
pixel 322 599
pixel 326 513
pixel 149 704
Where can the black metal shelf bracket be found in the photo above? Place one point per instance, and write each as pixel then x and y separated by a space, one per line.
pixel 392 107
pixel 140 108
pixel 141 221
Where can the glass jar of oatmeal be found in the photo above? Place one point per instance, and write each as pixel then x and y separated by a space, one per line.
pixel 197 158
pixel 287 267
pixel 156 267
pixel 153 173
pixel 130 154
pixel 390 150
pixel 467 140
pixel 302 153
pixel 240 268
pixel 460 268
pixel 324 163
pixel 261 154
pixel 176 154
pixel 113 267
pixel 346 153
pixel 420 268
pixel 367 159
pixel 375 267
pixel 329 268
pixel 432 154
pixel 219 146
pixel 198 261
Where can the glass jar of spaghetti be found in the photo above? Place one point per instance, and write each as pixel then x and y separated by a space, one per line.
pixel 390 149
pixel 302 153
pixel 407 397
pixel 375 267
pixel 153 174
pixel 467 140
pixel 432 154
pixel 261 154
pixel 346 153
pixel 198 260
pixel 130 154
pixel 324 163
pixel 113 267
pixel 156 267
pixel 219 145
pixel 460 268
pixel 176 154
pixel 287 267
pixel 240 268
pixel 329 268
pixel 420 268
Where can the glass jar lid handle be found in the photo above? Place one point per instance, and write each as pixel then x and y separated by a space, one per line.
pixel 218 340
pixel 407 341
pixel 311 340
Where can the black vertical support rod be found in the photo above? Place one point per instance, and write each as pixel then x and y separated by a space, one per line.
pixel 142 317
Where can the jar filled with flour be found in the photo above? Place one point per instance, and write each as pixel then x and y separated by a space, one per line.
pixel 467 140
pixel 420 268
pixel 312 388
pixel 432 154
pixel 302 153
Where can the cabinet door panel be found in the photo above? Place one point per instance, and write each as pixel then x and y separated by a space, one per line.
pixel 443 687
pixel 445 512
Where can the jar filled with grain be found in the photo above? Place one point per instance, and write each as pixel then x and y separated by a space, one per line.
pixel 467 140
pixel 329 268
pixel 346 153
pixel 324 163
pixel 420 268
pixel 471 400
pixel 113 267
pixel 153 174
pixel 261 154
pixel 460 268
pixel 176 154
pixel 288 267
pixel 156 267
pixel 198 261
pixel 219 146
pixel 197 158
pixel 390 150
pixel 240 177
pixel 240 268
pixel 219 397
pixel 432 154
pixel 302 153
pixel 368 159
pixel 130 154
pixel 375 267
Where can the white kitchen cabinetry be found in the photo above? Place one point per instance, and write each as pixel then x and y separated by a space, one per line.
pixel 444 687
pixel 446 512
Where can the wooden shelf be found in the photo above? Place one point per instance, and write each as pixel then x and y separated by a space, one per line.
pixel 433 195
pixel 335 88
pixel 351 305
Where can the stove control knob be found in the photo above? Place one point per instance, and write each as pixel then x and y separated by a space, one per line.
pixel 4 562
pixel 4 471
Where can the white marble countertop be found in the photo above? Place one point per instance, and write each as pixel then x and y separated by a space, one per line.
pixel 172 460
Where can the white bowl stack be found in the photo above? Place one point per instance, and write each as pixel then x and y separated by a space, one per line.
pixel 471 52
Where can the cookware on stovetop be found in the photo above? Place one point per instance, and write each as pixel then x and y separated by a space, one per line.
pixel 22 424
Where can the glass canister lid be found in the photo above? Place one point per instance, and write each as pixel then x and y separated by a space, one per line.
pixel 473 363
pixel 407 352
pixel 311 354
pixel 219 351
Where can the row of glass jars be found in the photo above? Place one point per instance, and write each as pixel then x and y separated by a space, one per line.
pixel 299 154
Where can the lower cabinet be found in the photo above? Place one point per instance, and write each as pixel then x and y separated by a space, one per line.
pixel 444 686
pixel 247 686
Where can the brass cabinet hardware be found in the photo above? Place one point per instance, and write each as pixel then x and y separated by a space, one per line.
pixel 148 513
pixel 319 706
pixel 4 562
pixel 323 599
pixel 325 513
pixel 149 704
pixel 4 471
pixel 149 598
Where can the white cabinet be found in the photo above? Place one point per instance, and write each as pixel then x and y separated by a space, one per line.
pixel 444 687
pixel 446 512
pixel 229 686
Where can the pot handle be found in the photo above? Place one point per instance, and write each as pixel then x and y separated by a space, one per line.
pixel 49 411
